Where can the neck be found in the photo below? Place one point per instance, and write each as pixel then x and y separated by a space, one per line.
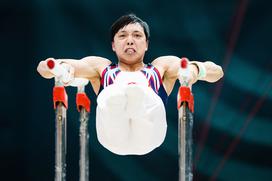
pixel 130 67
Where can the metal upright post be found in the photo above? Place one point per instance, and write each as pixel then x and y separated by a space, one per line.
pixel 60 105
pixel 185 125
pixel 83 106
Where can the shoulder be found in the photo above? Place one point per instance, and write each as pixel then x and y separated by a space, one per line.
pixel 97 60
pixel 165 61
pixel 99 63
pixel 166 64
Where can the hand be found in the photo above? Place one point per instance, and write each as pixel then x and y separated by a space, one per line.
pixel 193 73
pixel 68 78
pixel 187 73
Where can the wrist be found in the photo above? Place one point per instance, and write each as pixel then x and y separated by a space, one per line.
pixel 201 69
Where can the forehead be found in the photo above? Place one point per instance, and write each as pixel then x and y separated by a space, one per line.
pixel 132 27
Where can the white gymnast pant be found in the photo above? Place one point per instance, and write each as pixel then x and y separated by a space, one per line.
pixel 130 119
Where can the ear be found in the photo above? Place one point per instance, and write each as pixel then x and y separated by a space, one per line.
pixel 113 46
pixel 147 42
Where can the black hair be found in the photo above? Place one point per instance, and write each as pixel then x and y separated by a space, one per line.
pixel 128 19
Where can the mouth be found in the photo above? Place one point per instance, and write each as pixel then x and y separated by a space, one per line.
pixel 130 50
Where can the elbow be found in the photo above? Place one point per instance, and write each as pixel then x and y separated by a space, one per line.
pixel 214 72
pixel 220 72
pixel 39 68
pixel 42 70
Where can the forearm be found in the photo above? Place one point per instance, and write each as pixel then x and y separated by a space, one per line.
pixel 87 67
pixel 46 73
pixel 83 68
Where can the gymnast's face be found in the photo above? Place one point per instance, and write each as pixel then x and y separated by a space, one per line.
pixel 130 44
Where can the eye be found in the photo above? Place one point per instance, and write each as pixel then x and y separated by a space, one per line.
pixel 138 35
pixel 121 35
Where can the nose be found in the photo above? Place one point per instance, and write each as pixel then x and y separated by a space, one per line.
pixel 130 40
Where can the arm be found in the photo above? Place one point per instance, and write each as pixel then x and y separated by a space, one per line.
pixel 168 67
pixel 89 67
pixel 212 72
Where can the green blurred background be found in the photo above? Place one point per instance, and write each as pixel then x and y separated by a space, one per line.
pixel 232 120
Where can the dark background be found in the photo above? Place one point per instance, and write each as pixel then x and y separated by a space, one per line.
pixel 232 120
